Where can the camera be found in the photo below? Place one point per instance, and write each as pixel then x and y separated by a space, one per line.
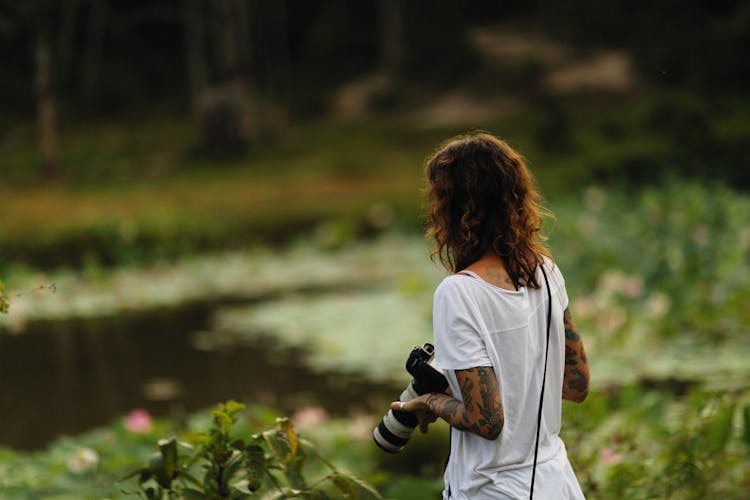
pixel 396 427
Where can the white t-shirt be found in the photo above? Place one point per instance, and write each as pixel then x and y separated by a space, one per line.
pixel 479 324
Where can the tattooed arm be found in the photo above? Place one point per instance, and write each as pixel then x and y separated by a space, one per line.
pixel 576 379
pixel 480 412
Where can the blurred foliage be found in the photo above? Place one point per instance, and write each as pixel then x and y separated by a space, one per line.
pixel 627 441
pixel 676 44
pixel 642 442
pixel 662 268
pixel 3 299
pixel 124 204
pixel 685 242
pixel 271 462
pixel 659 294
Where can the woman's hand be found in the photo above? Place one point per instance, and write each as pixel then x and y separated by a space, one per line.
pixel 418 407
pixel 480 411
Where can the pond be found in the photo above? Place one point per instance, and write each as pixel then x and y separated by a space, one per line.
pixel 65 377
pixel 308 326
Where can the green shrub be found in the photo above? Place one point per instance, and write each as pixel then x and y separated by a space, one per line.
pixel 223 465
pixel 3 299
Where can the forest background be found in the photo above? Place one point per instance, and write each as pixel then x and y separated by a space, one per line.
pixel 203 200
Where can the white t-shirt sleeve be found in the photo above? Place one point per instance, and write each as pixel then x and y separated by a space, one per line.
pixel 558 282
pixel 459 344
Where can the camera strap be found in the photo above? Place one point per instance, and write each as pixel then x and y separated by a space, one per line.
pixel 544 379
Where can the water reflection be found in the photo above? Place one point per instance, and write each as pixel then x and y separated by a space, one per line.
pixel 68 377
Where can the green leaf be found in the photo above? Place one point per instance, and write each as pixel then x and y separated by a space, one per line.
pixel 168 450
pixel 197 454
pixel 351 484
pixel 146 474
pixel 222 420
pixel 210 486
pixel 746 424
pixel 255 460
pixel 237 494
pixel 190 478
pixel 159 471
pixel 232 407
pixel 344 485
pixel 238 444
pixel 191 494
pixel 231 467
pixel 278 445
pixel 719 429
pixel 3 299
pixel 324 489
pixel 137 472
pixel 294 472
pixel 286 426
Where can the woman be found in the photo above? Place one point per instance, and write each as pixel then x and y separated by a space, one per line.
pixel 490 322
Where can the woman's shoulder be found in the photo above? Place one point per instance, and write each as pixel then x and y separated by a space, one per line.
pixel 450 282
pixel 552 269
pixel 454 286
pixel 556 281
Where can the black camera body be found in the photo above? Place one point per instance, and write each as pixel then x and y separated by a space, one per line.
pixel 396 427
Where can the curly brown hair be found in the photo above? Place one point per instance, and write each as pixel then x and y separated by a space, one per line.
pixel 481 197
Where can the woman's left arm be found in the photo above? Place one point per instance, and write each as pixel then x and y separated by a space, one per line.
pixel 480 412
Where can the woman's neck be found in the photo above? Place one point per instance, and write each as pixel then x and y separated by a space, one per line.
pixel 491 268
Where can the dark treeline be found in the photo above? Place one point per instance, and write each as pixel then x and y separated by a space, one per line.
pixel 703 45
pixel 109 55
pixel 243 68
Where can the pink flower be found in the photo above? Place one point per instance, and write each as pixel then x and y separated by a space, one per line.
pixel 360 427
pixel 632 287
pixel 138 421
pixel 609 457
pixel 309 417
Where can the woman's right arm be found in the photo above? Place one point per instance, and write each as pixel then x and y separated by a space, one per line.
pixel 576 379
pixel 480 412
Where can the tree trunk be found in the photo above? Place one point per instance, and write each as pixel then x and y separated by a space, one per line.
pixel 49 142
pixel 277 59
pixel 65 40
pixel 391 38
pixel 195 53
pixel 226 107
pixel 94 42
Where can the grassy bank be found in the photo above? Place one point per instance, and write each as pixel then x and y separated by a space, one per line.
pixel 135 191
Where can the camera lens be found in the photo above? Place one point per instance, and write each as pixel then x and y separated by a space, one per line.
pixel 396 427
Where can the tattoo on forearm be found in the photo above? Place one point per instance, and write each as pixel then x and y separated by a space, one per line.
pixel 481 410
pixel 448 408
pixel 579 382
pixel 570 356
pixel 493 416
pixel 576 364
pixel 467 386
pixel 570 327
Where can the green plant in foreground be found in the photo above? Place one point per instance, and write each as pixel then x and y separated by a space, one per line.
pixel 3 299
pixel 267 465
